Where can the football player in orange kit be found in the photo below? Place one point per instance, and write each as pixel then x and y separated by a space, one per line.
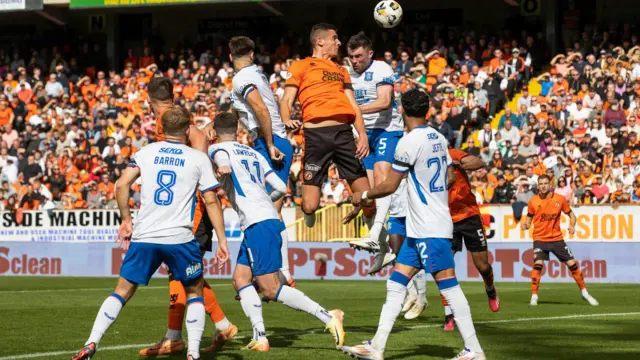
pixel 545 211
pixel 161 96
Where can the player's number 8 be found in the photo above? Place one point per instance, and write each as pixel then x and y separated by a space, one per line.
pixel 164 195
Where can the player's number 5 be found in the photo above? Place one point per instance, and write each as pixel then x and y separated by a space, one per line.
pixel 163 196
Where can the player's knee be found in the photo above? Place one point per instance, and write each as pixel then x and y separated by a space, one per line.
pixel 483 267
pixel 309 207
pixel 538 266
pixel 125 289
pixel 270 291
pixel 572 265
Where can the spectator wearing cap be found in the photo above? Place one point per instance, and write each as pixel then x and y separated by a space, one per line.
pixel 467 60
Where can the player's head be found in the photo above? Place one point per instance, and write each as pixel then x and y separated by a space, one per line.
pixel 226 125
pixel 415 106
pixel 544 184
pixel 324 40
pixel 241 48
pixel 160 90
pixel 360 51
pixel 175 123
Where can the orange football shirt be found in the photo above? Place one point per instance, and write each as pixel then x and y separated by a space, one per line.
pixel 462 202
pixel 546 214
pixel 321 84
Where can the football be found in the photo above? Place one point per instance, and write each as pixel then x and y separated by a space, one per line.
pixel 388 14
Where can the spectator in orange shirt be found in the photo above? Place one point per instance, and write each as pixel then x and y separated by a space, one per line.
pixel 146 59
pixel 6 113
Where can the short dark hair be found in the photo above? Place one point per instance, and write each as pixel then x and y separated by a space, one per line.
pixel 415 103
pixel 317 29
pixel 160 89
pixel 175 121
pixel 359 40
pixel 240 46
pixel 543 177
pixel 225 123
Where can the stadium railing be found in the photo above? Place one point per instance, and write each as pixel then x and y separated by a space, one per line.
pixel 329 227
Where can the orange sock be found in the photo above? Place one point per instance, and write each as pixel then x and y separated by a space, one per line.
pixel 577 276
pixel 444 300
pixel 177 304
pixel 211 305
pixel 535 278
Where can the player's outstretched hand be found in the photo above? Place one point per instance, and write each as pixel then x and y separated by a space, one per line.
pixel 223 170
pixel 222 255
pixel 293 124
pixel 523 226
pixel 124 234
pixel 275 154
pixel 572 229
pixel 362 147
pixel 352 215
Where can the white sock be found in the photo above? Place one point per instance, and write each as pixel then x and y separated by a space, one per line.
pixel 174 335
pixel 285 275
pixel 534 296
pixel 411 288
pixel 223 324
pixel 390 311
pixel 252 306
pixel 462 315
pixel 195 325
pixel 447 310
pixel 107 315
pixel 584 292
pixel 374 231
pixel 382 208
pixel 297 300
pixel 420 280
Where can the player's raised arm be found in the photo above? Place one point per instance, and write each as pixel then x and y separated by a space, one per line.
pixel 362 147
pixel 123 185
pixel 286 107
pixel 279 188
pixel 383 101
pixel 472 163
pixel 254 100
pixel 197 139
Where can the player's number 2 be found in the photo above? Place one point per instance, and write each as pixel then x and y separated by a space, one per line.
pixel 254 177
pixel 440 163
pixel 164 195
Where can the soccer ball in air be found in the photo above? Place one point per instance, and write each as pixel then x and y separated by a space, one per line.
pixel 388 14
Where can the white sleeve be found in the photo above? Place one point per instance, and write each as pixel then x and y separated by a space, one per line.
pixel 242 86
pixel 136 160
pixel 449 159
pixel 383 74
pixel 278 187
pixel 404 157
pixel 207 180
pixel 219 156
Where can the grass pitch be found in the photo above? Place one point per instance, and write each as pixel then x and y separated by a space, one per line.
pixel 50 318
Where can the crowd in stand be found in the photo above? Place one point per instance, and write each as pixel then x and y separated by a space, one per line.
pixel 68 125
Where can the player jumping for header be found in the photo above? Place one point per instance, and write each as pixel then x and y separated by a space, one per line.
pixel 373 87
pixel 329 107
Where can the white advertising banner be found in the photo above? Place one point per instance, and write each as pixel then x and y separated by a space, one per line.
pixel 595 223
pixel 600 262
pixel 91 225
pixel 10 5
